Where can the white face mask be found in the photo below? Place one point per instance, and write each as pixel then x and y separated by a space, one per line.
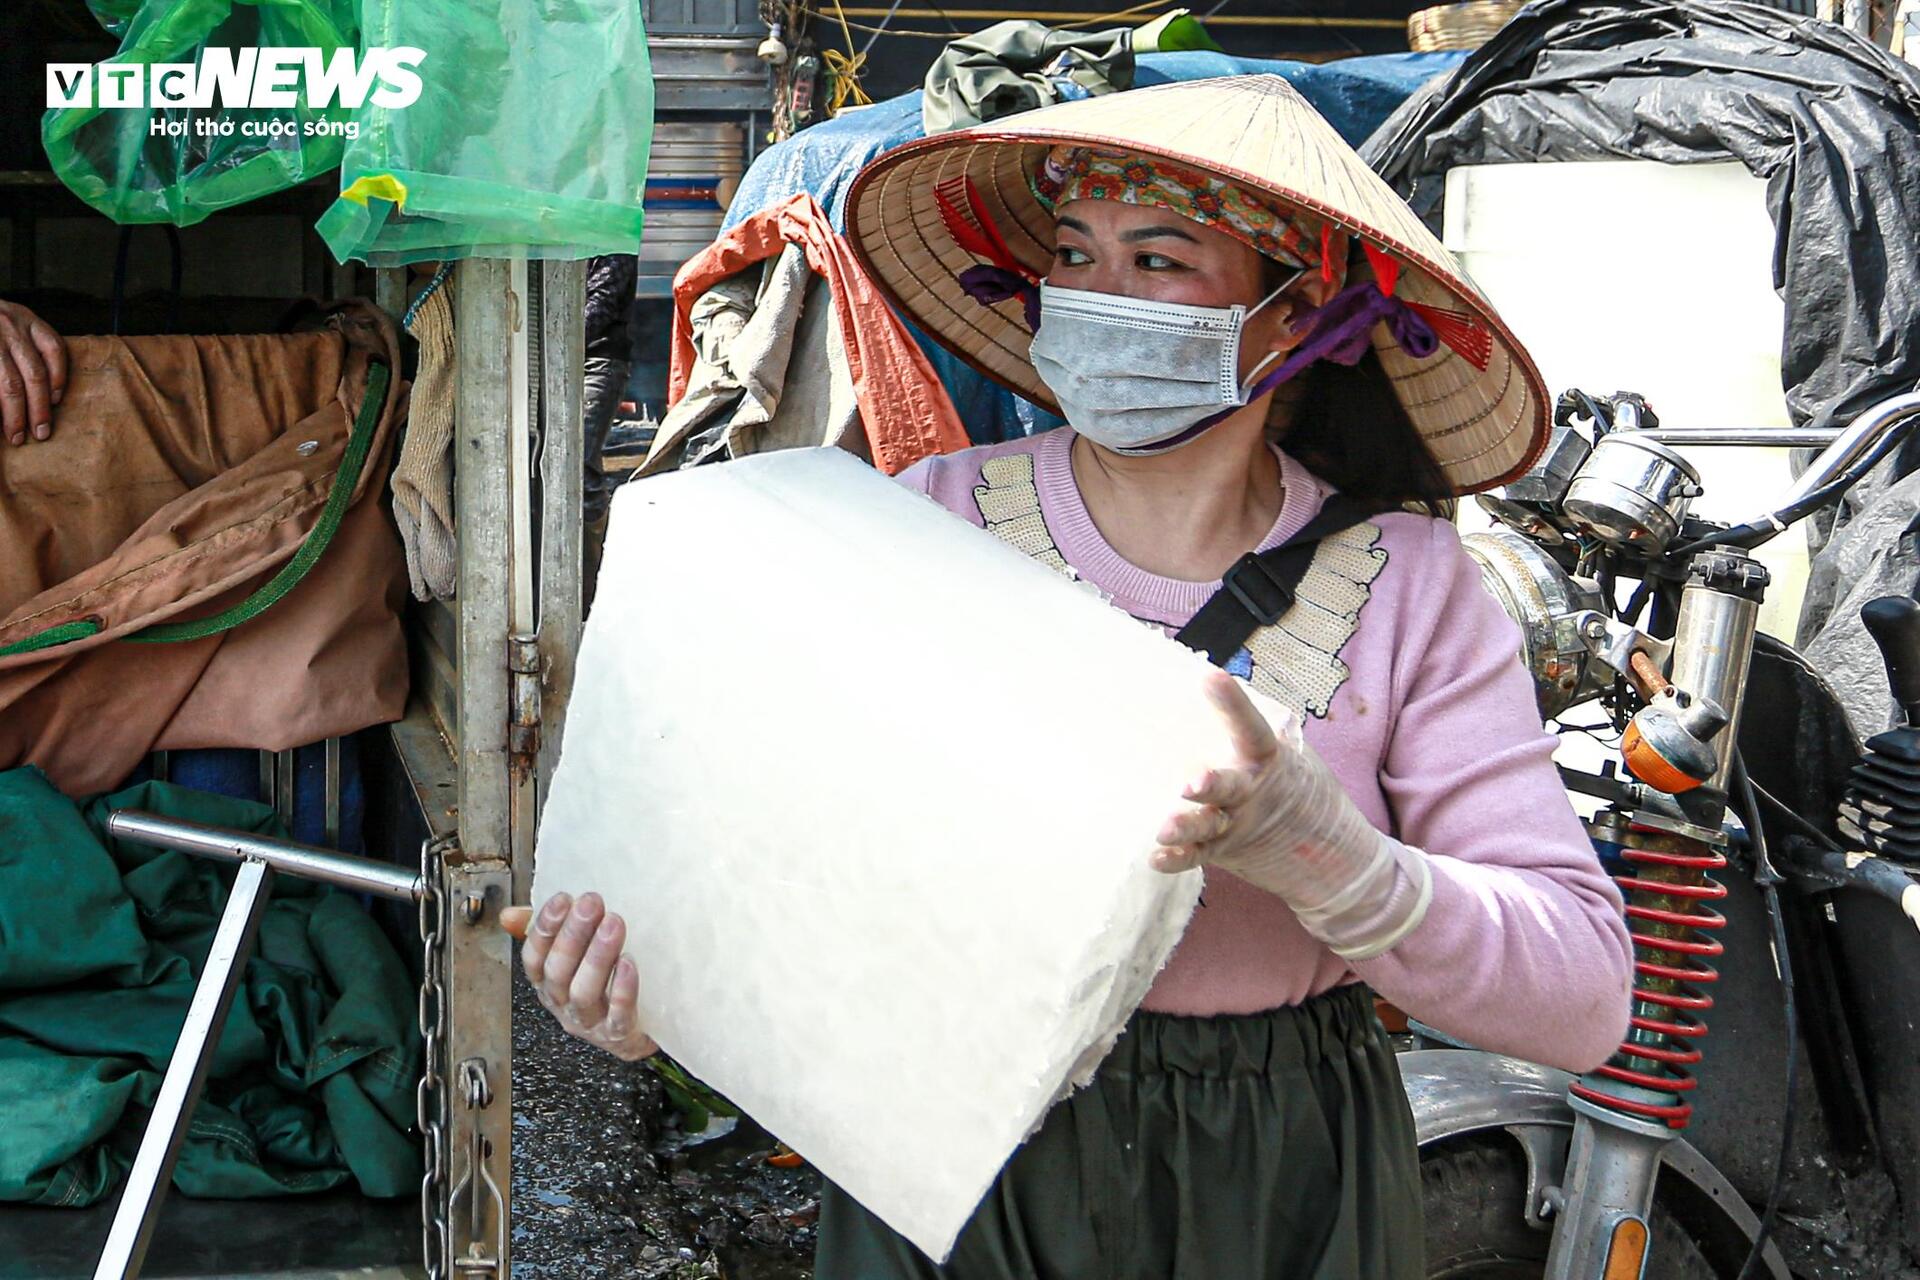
pixel 1139 376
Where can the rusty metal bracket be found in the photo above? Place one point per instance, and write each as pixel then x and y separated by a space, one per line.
pixel 524 666
pixel 479 1041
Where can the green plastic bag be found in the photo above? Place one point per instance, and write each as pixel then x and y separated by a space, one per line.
pixel 530 135
pixel 110 157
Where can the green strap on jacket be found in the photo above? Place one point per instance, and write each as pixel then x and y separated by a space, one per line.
pixel 339 497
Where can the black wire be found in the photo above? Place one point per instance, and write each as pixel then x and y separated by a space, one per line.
pixel 1769 881
pixel 1794 820
pixel 942 14
pixel 1636 602
pixel 1601 423
pixel 880 30
pixel 1299 11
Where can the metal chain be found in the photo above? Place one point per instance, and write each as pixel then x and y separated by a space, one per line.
pixel 430 1100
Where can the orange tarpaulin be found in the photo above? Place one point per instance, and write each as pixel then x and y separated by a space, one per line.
pixel 905 409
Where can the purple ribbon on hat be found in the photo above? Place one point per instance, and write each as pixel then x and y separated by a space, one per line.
pixel 989 284
pixel 1341 330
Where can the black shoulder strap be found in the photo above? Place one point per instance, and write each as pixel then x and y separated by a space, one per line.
pixel 1260 586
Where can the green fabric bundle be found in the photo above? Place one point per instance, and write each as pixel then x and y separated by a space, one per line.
pixel 100 944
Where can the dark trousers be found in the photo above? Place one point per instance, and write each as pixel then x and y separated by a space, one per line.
pixel 1276 1145
pixel 606 385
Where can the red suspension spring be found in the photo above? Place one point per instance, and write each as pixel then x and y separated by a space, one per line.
pixel 1671 923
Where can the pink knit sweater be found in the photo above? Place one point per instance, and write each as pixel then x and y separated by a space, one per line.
pixel 1435 735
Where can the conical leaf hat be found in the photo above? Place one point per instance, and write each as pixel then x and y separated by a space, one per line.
pixel 1478 402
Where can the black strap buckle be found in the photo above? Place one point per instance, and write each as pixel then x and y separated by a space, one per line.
pixel 1259 591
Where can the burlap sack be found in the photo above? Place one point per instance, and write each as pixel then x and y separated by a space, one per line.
pixel 183 472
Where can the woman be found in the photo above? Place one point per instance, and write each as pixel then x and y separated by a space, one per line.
pixel 1157 265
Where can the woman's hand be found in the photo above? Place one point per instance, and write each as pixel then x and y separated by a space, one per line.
pixel 1279 819
pixel 33 374
pixel 573 959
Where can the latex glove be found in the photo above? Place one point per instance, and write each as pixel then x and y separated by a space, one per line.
pixel 573 958
pixel 1279 819
pixel 33 374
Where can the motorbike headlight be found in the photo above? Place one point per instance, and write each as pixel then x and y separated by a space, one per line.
pixel 1547 602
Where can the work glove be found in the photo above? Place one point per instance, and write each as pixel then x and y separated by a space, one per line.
pixel 1280 820
pixel 573 957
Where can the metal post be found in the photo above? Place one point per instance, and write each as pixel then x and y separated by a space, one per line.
pixel 485 314
pixel 479 1041
pixel 186 1073
pixel 1612 1166
pixel 492 506
pixel 332 801
pixel 562 377
pixel 390 291
pixel 288 778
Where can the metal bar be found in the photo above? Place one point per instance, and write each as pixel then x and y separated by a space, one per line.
pixel 1863 435
pixel 266 777
pixel 705 44
pixel 562 467
pixel 283 800
pixel 495 600
pixel 162 765
pixel 332 822
pixel 523 390
pixel 343 870
pixel 485 309
pixel 146 1188
pixel 1759 437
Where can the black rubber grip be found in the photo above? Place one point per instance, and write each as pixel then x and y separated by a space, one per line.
pixel 1894 624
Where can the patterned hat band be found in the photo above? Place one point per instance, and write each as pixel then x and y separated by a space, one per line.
pixel 1099 173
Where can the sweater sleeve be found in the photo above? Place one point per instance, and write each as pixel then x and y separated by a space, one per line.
pixel 1523 948
pixel 918 477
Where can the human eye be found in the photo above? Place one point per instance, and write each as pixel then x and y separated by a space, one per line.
pixel 1067 256
pixel 1157 262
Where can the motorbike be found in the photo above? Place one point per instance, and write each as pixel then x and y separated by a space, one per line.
pixel 1760 1117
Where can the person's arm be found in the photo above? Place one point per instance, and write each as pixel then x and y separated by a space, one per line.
pixel 33 374
pixel 1524 947
pixel 1486 915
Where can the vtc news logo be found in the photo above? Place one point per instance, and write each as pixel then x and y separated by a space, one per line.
pixel 270 78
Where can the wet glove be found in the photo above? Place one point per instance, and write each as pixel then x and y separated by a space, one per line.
pixel 1280 820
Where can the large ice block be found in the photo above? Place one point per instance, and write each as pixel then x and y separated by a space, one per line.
pixel 875 793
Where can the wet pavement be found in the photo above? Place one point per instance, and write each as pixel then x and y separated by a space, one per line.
pixel 606 1186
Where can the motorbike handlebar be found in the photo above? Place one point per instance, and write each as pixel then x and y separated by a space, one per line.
pixel 1848 456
